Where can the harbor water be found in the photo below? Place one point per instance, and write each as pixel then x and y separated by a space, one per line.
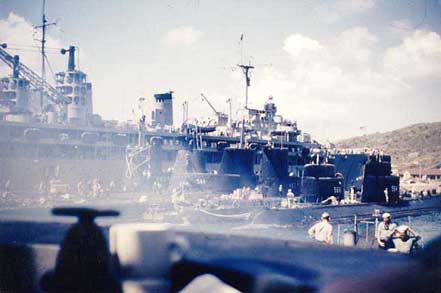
pixel 36 212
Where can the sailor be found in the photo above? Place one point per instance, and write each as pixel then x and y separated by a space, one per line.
pixel 6 190
pixel 386 194
pixel 290 198
pixel 81 187
pixel 41 187
pixel 112 186
pixel 404 239
pixel 322 231
pixel 352 193
pixel 280 190
pixel 384 232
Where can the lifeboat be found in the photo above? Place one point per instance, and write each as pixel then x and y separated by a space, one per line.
pixel 89 137
pixel 32 133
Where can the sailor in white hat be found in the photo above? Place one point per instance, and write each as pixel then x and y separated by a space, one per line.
pixel 384 232
pixel 322 231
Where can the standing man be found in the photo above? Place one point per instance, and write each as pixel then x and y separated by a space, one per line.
pixel 290 198
pixel 322 231
pixel 384 232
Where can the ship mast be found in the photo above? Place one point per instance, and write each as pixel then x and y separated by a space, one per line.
pixel 246 71
pixel 43 27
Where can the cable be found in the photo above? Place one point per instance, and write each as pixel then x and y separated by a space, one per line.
pixel 78 58
pixel 30 46
pixel 50 68
pixel 30 50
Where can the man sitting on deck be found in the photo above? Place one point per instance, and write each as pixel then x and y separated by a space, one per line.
pixel 384 232
pixel 404 239
pixel 322 231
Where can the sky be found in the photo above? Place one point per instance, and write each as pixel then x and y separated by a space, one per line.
pixel 339 68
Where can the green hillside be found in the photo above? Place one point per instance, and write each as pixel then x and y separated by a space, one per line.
pixel 409 146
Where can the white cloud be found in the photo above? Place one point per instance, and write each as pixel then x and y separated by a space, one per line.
pixel 418 56
pixel 334 87
pixel 20 36
pixel 182 36
pixel 299 46
pixel 354 46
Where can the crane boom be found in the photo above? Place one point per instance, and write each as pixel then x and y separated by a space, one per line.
pixel 34 79
pixel 209 104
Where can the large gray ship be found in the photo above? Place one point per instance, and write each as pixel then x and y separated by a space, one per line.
pixel 52 142
pixel 51 136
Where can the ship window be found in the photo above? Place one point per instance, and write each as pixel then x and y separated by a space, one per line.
pixel 77 90
pixel 83 90
pixel 77 100
pixel 10 95
pixel 60 77
pixel 66 90
pixel 83 101
pixel 69 79
pixel 69 100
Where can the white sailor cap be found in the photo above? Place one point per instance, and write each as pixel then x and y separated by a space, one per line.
pixel 386 215
pixel 325 215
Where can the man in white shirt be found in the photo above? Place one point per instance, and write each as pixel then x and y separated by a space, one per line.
pixel 384 232
pixel 322 231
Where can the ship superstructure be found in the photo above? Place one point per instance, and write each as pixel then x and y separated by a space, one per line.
pixel 73 85
pixel 15 95
pixel 51 134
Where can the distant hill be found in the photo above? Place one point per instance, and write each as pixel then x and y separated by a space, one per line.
pixel 408 146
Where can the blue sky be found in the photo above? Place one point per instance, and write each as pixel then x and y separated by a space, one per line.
pixel 331 65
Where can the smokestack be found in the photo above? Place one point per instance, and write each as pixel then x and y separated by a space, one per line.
pixel 71 64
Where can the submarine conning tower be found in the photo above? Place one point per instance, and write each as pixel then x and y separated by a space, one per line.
pixel 73 84
pixel 379 184
pixel 15 95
